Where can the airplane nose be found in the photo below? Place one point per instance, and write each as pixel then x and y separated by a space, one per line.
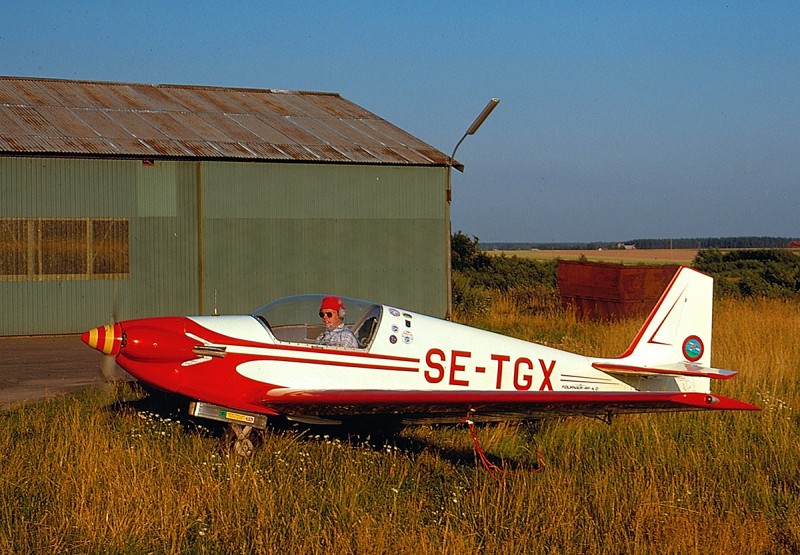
pixel 106 339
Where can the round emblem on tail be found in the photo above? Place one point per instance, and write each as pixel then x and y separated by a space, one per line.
pixel 693 348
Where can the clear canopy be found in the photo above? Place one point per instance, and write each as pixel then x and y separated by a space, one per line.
pixel 296 319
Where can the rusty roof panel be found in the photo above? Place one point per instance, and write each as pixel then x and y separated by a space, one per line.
pixel 359 154
pixel 204 129
pixel 252 102
pixel 388 134
pixel 135 147
pixel 136 125
pixel 238 150
pixel 230 128
pixel 299 152
pixel 110 98
pixel 157 98
pixel 28 117
pixel 305 105
pixel 197 101
pixel 28 94
pixel 203 149
pixel 342 111
pixel 67 96
pixel 171 124
pixel 64 122
pixel 10 124
pixel 399 153
pixel 289 127
pixel 355 154
pixel 330 131
pixel 100 123
pixel 167 147
pixel 8 94
pixel 264 129
pixel 335 154
pixel 266 151
pixel 85 118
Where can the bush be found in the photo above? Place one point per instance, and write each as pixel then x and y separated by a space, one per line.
pixel 469 300
pixel 501 273
pixel 465 254
pixel 773 273
pixel 530 284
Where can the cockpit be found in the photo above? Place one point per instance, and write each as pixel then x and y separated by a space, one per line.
pixel 296 319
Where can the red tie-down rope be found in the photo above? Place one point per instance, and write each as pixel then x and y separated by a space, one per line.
pixel 489 465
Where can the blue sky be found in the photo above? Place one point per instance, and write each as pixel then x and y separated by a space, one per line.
pixel 617 120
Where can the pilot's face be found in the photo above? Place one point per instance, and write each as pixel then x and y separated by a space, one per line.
pixel 330 318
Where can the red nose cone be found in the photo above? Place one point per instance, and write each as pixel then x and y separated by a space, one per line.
pixel 106 339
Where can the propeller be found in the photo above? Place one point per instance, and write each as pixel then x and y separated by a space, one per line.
pixel 109 370
pixel 108 340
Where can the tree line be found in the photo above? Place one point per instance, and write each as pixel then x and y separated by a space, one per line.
pixel 682 243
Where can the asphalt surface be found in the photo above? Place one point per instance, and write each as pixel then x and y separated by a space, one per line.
pixel 36 368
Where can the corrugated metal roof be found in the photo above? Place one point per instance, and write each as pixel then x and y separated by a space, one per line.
pixel 84 118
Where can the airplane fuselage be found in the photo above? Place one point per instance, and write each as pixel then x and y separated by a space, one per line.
pixel 272 362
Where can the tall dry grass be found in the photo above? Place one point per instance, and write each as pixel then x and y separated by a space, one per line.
pixel 79 476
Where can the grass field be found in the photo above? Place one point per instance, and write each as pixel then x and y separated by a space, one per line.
pixel 634 256
pixel 103 472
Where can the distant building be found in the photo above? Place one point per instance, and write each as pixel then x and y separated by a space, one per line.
pixel 139 200
pixel 794 244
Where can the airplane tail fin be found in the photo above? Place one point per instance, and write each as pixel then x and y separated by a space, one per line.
pixel 679 326
pixel 676 338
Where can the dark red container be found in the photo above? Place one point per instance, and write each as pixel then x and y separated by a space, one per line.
pixel 603 290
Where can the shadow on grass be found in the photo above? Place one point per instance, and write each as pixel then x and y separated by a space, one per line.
pixel 372 432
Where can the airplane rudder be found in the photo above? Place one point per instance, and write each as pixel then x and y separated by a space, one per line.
pixel 679 323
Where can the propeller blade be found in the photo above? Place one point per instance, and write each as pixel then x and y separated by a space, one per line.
pixel 108 370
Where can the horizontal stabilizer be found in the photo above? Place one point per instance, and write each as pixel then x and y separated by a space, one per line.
pixel 679 369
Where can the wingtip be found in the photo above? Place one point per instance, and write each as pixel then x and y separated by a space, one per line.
pixel 712 402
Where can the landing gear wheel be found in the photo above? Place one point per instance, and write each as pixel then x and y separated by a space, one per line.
pixel 244 448
pixel 243 445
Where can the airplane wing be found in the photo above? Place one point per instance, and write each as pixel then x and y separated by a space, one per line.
pixel 487 405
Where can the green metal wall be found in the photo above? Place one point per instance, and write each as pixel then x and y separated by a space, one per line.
pixel 160 205
pixel 242 233
pixel 372 232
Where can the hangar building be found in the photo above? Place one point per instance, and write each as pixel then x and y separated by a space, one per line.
pixel 132 200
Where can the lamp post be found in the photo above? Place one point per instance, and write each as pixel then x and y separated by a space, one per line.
pixel 449 192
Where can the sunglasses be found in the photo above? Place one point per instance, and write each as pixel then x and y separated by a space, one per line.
pixel 326 314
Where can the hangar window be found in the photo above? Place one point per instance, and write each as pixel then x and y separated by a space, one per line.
pixel 63 248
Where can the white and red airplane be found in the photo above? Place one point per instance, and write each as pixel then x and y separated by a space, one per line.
pixel 410 367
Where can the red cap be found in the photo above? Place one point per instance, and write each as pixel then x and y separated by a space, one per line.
pixel 332 303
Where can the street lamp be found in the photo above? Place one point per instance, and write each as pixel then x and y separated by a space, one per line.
pixel 471 131
pixel 476 124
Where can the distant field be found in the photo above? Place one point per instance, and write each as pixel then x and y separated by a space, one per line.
pixel 636 256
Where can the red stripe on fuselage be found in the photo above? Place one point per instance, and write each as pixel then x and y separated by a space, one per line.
pixel 326 362
pixel 295 353
pixel 329 351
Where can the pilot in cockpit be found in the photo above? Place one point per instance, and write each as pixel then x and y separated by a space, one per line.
pixel 332 311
